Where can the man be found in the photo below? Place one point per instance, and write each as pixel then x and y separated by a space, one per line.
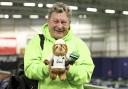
pixel 58 26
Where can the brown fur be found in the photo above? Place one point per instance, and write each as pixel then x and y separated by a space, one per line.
pixel 58 50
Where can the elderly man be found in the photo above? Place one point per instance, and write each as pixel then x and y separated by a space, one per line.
pixel 58 27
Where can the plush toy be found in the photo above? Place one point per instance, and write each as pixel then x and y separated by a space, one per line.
pixel 57 61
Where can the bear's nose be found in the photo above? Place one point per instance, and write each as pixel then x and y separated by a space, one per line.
pixel 60 49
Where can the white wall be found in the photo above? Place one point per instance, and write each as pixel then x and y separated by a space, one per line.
pixel 22 30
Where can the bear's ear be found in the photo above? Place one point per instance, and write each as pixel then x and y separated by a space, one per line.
pixel 65 47
pixel 53 47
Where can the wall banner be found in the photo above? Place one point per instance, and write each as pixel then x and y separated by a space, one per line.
pixel 7 46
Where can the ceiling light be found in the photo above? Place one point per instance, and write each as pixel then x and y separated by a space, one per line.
pixel 6 16
pixel 40 5
pixel 49 5
pixel 92 9
pixel 82 16
pixel 1 16
pixel 46 16
pixel 6 3
pixel 125 12
pixel 34 16
pixel 109 11
pixel 73 7
pixel 17 16
pixel 30 4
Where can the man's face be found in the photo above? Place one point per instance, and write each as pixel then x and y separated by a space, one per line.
pixel 58 25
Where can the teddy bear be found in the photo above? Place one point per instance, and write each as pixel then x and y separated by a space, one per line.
pixel 57 61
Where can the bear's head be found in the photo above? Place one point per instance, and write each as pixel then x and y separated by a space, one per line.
pixel 60 48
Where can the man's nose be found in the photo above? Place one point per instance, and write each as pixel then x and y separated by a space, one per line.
pixel 59 25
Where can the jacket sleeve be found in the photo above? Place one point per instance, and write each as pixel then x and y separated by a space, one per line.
pixel 33 65
pixel 81 71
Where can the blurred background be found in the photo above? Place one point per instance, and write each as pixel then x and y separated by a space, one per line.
pixel 102 24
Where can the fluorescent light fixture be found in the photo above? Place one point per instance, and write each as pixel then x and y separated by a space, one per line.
pixel 30 4
pixel 92 9
pixel 6 16
pixel 6 3
pixel 125 12
pixel 109 11
pixel 73 7
pixel 17 16
pixel 82 16
pixel 1 16
pixel 34 16
pixel 49 5
pixel 46 16
pixel 40 4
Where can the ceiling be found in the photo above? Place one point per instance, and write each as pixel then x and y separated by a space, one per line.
pixel 101 5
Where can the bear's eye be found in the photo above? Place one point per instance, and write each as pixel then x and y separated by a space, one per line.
pixel 57 46
pixel 64 47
